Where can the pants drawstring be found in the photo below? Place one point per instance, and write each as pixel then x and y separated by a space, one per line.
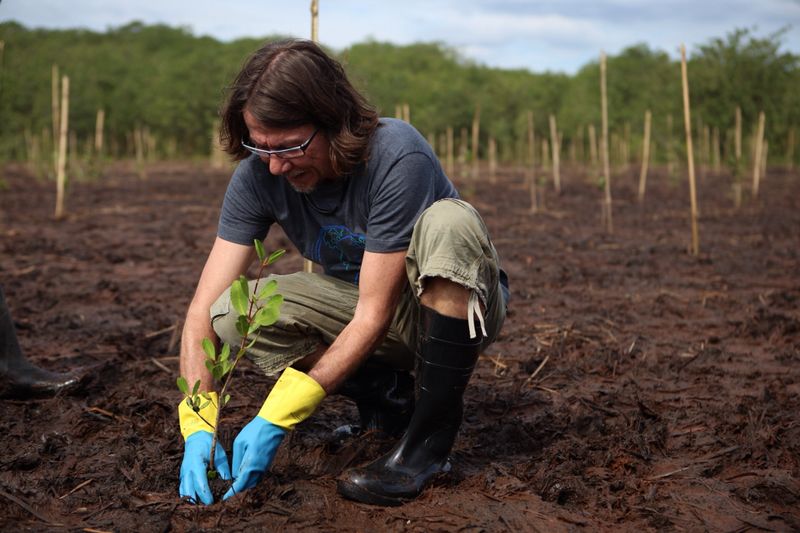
pixel 474 308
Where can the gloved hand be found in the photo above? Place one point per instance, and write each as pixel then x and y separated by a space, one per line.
pixel 196 430
pixel 253 451
pixel 294 398
pixel 194 468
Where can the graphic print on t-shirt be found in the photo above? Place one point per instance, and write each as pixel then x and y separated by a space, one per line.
pixel 340 252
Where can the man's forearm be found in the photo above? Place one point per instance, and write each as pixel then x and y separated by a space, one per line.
pixel 192 360
pixel 353 345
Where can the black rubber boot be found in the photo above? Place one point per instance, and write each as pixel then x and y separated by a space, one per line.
pixel 18 377
pixel 384 398
pixel 445 360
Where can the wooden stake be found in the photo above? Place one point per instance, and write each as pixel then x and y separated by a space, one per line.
pixel 555 144
pixel 398 112
pixel 607 217
pixel 308 265
pixel 492 160
pixel 315 20
pixel 689 153
pixel 476 130
pixel 645 155
pixel 407 113
pixel 61 169
pixel 531 167
pixel 99 124
pixel 449 165
pixel 56 113
pixel 759 148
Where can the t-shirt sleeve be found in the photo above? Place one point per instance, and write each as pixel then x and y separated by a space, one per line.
pixel 244 217
pixel 397 201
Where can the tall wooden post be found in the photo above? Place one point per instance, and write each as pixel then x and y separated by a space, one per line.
pixel 315 20
pixel 555 145
pixel 61 167
pixel 56 113
pixel 308 265
pixel 759 149
pixel 687 119
pixel 645 155
pixel 99 125
pixel 607 217
pixel 407 113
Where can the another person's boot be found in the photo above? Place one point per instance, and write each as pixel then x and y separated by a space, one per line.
pixel 445 359
pixel 384 397
pixel 18 377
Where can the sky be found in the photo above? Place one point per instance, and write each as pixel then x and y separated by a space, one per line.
pixel 542 35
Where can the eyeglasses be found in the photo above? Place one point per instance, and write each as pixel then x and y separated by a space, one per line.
pixel 283 153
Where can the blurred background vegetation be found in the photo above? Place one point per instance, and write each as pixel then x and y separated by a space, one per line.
pixel 172 83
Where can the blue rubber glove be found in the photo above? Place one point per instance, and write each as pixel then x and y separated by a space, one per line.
pixel 194 479
pixel 253 451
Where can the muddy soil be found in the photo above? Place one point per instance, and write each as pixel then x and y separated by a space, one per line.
pixel 634 386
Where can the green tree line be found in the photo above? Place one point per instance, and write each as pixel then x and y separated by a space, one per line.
pixel 172 82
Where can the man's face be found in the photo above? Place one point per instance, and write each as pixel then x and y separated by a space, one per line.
pixel 303 173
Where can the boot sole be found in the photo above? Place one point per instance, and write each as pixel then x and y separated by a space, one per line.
pixel 353 491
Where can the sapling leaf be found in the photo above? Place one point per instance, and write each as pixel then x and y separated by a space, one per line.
pixel 242 325
pixel 204 404
pixel 251 343
pixel 211 474
pixel 183 386
pixel 209 348
pixel 196 387
pixel 209 365
pixel 216 372
pixel 260 250
pixel 267 289
pixel 225 353
pixel 226 399
pixel 274 256
pixel 239 295
pixel 266 316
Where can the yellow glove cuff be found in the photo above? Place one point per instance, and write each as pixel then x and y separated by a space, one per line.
pixel 294 398
pixel 192 422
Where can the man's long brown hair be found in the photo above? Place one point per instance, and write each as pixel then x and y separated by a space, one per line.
pixel 290 83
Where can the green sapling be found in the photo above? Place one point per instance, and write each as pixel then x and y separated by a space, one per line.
pixel 255 310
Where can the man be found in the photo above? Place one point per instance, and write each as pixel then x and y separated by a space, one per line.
pixel 19 378
pixel 411 277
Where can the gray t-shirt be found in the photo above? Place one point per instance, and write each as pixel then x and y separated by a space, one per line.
pixel 374 209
